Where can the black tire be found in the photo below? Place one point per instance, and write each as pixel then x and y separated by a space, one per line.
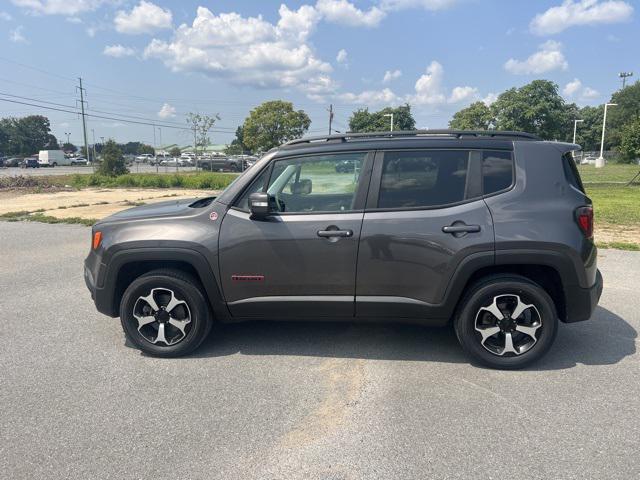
pixel 187 289
pixel 482 294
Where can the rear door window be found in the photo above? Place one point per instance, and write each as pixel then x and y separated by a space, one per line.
pixel 427 178
pixel 571 171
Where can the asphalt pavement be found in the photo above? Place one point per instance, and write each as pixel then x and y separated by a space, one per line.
pixel 300 400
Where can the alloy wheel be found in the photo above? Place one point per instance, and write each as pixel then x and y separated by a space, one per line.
pixel 162 317
pixel 508 326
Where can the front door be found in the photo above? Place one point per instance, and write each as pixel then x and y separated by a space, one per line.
pixel 301 261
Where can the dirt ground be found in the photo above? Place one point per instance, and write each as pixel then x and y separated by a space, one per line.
pixel 91 202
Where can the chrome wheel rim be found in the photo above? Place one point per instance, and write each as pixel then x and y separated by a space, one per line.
pixel 163 319
pixel 508 326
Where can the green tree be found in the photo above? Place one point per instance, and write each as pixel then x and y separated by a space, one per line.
pixel 272 124
pixel 26 135
pixel 143 148
pixel 200 124
pixel 630 141
pixel 362 120
pixel 237 146
pixel 113 163
pixel 476 116
pixel 589 131
pixel 175 152
pixel 71 148
pixel 535 108
pixel 624 113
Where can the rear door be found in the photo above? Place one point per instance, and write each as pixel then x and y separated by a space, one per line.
pixel 424 215
pixel 301 261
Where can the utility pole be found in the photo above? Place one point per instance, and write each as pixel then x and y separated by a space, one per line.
pixel 575 128
pixel 93 132
pixel 390 115
pixel 600 159
pixel 84 123
pixel 623 76
pixel 155 157
pixel 330 117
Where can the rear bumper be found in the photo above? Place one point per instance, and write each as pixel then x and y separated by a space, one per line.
pixel 581 302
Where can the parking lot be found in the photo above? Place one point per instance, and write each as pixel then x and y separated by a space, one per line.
pixel 135 168
pixel 303 401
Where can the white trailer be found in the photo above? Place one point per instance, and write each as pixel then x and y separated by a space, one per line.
pixel 52 158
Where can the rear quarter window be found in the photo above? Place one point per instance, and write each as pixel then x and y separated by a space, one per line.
pixel 571 171
pixel 497 171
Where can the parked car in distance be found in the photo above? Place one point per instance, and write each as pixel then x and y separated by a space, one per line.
pixel 174 162
pixel 13 162
pixel 588 161
pixel 345 166
pixel 221 164
pixel 488 231
pixel 79 161
pixel 144 158
pixel 52 158
pixel 30 162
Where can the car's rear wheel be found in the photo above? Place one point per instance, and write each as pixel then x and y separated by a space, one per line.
pixel 506 322
pixel 164 313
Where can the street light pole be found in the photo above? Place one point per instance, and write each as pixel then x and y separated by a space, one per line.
pixel 575 128
pixel 600 159
pixel 93 132
pixel 624 76
pixel 390 115
pixel 68 135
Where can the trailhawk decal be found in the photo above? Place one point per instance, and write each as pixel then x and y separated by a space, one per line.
pixel 247 278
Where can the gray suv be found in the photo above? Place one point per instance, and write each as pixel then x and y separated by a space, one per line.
pixel 491 232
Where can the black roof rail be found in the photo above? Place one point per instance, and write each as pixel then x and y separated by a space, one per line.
pixel 343 137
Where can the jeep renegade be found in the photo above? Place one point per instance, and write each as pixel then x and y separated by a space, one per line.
pixel 489 231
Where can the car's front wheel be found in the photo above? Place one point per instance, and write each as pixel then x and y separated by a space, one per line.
pixel 506 322
pixel 164 313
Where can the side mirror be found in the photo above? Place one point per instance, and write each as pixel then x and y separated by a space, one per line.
pixel 260 204
pixel 304 186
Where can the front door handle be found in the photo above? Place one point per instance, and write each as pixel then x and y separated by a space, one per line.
pixel 335 233
pixel 461 228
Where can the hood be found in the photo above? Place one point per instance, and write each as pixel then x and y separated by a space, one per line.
pixel 170 208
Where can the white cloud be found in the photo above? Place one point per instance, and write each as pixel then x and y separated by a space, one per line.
pixel 572 87
pixel 60 7
pixel 575 89
pixel 429 86
pixel 581 12
pixel 391 75
pixel 248 50
pixel 462 94
pixel 16 35
pixel 490 98
pixel 371 97
pixel 167 111
pixel 547 59
pixel 426 4
pixel 345 13
pixel 342 56
pixel 118 51
pixel 5 16
pixel 146 17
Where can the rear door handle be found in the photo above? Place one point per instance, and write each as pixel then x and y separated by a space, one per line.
pixel 461 228
pixel 335 233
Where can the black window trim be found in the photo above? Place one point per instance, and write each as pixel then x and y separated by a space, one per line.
pixel 376 180
pixel 360 193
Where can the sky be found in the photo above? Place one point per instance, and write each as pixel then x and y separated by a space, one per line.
pixel 152 62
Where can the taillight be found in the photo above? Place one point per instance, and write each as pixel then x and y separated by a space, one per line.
pixel 97 238
pixel 584 217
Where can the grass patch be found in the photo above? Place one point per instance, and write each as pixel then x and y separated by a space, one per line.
pixel 634 247
pixel 199 180
pixel 39 217
pixel 611 173
pixel 616 205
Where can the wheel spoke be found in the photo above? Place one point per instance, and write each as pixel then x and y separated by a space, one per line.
pixel 520 307
pixel 161 336
pixel 493 309
pixel 173 303
pixel 180 324
pixel 508 345
pixel 151 301
pixel 529 331
pixel 487 332
pixel 144 320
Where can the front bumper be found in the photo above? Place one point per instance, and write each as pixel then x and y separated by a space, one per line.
pixel 581 302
